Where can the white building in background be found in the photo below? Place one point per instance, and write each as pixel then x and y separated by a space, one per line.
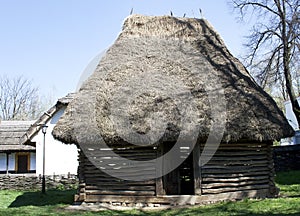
pixel 293 122
pixel 59 157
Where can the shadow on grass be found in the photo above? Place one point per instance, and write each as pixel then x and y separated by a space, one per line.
pixel 215 212
pixel 224 209
pixel 36 198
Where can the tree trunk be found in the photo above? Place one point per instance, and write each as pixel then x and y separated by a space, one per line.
pixel 286 63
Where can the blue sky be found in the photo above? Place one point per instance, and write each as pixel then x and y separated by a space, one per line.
pixel 52 41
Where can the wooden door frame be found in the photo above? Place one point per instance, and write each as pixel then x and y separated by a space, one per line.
pixel 160 189
pixel 197 169
pixel 17 160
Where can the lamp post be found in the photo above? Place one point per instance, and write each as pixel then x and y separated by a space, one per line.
pixel 44 129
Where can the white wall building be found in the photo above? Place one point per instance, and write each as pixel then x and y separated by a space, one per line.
pixel 293 122
pixel 60 158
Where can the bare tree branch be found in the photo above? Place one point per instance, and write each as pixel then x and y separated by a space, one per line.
pixel 18 99
pixel 244 4
pixel 273 46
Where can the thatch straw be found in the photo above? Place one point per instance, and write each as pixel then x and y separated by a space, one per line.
pixel 159 49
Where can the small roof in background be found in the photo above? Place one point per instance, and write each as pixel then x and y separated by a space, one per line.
pixel 15 134
pixel 45 117
pixel 11 133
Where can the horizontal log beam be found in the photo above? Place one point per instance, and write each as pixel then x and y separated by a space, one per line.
pixel 120 192
pixel 121 187
pixel 237 185
pixel 231 189
pixel 232 175
pixel 179 199
pixel 235 179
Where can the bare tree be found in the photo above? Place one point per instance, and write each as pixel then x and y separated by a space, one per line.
pixel 274 45
pixel 19 100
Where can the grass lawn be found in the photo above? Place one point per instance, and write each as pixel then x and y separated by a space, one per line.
pixel 54 202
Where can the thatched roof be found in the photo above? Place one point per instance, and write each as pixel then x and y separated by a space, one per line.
pixel 11 133
pixel 165 53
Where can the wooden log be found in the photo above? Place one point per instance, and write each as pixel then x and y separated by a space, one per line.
pixel 235 162
pixel 235 179
pixel 127 170
pixel 237 148
pixel 148 166
pixel 120 192
pixel 236 184
pixel 230 189
pixel 197 170
pixel 236 154
pixel 121 187
pixel 234 145
pixel 181 199
pixel 159 181
pixel 224 158
pixel 125 183
pixel 231 175
pixel 235 167
pixel 240 169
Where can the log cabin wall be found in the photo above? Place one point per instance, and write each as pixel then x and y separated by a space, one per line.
pixel 239 167
pixel 94 183
pixel 245 168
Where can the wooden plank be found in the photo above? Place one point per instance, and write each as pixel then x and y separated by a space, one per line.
pixel 234 171
pixel 159 181
pixel 122 175
pixel 230 189
pixel 236 145
pixel 238 153
pixel 149 166
pixel 106 181
pixel 126 183
pixel 197 170
pixel 121 187
pixel 180 200
pixel 237 148
pixel 241 145
pixel 234 162
pixel 236 184
pixel 120 192
pixel 133 171
pixel 238 179
pixel 232 175
pixel 235 167
pixel 224 158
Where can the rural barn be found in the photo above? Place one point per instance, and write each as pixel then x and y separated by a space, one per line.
pixel 170 116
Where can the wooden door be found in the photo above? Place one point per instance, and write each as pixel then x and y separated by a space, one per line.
pixel 22 163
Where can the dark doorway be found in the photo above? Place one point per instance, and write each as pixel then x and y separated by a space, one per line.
pixel 186 176
pixel 22 163
pixel 181 180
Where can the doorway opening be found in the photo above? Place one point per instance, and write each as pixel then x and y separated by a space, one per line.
pixel 181 180
pixel 22 162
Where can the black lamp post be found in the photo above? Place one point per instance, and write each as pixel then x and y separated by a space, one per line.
pixel 44 129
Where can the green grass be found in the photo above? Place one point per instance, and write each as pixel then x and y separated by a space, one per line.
pixel 289 183
pixel 55 201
